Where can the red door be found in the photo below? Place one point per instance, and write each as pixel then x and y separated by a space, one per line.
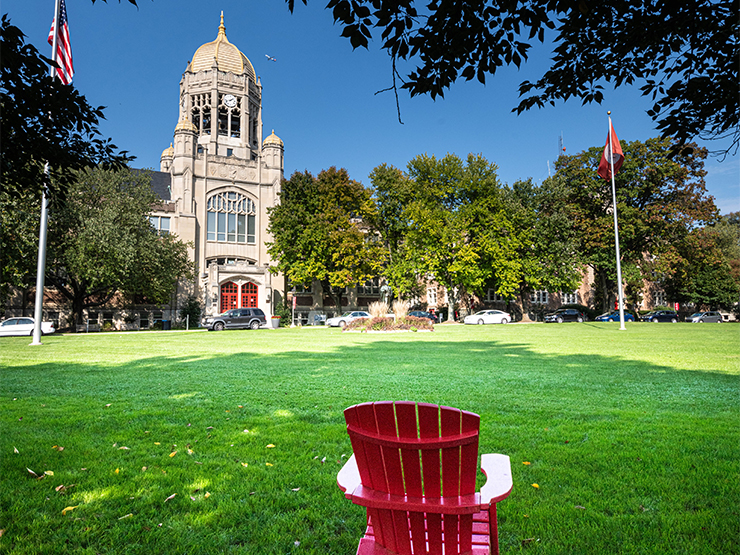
pixel 249 295
pixel 229 296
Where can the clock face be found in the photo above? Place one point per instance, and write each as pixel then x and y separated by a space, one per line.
pixel 230 100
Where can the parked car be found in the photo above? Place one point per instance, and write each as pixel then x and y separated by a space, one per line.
pixel 701 317
pixel 346 318
pixel 422 314
pixel 660 316
pixel 614 317
pixel 236 318
pixel 488 317
pixel 565 315
pixel 24 326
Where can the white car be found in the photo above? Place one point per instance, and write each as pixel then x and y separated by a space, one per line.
pixel 346 318
pixel 488 317
pixel 24 326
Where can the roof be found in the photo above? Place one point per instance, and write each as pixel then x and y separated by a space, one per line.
pixel 161 182
pixel 226 56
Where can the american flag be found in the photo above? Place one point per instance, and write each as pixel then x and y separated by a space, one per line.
pixel 64 48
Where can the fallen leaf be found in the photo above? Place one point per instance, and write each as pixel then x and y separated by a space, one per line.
pixel 323 460
pixel 67 509
pixel 124 448
pixel 49 472
pixel 192 498
pixel 527 463
pixel 190 451
pixel 296 489
pixel 170 497
pixel 109 404
pixel 125 516
pixel 16 451
pixel 245 431
pixel 117 470
pixel 241 407
pixel 207 495
pixel 143 468
pixel 245 464
pixel 1 533
pixel 268 464
pixel 173 454
pixel 157 443
pixel 270 446
pixel 209 428
pixel 32 473
pixel 580 507
pixel 536 486
pixel 528 541
pixel 296 543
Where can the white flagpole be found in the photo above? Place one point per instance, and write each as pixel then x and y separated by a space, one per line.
pixel 38 311
pixel 616 229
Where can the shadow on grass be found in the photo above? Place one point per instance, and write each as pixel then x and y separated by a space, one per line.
pixel 629 456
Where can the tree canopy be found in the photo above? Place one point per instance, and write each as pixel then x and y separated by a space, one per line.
pixel 101 246
pixel 318 232
pixel 660 200
pixel 683 55
pixel 44 122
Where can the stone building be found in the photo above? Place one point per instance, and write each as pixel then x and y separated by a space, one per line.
pixel 218 177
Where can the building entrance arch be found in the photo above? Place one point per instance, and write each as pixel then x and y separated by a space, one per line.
pixel 229 296
pixel 249 295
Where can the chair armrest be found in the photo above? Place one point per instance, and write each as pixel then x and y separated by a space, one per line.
pixel 348 478
pixel 497 469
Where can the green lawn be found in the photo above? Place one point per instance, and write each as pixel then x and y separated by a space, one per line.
pixel 632 436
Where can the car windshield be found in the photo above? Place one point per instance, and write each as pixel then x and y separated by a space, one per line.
pixel 347 314
pixel 696 314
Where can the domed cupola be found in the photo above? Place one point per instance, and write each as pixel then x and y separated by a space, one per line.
pixel 228 58
pixel 272 140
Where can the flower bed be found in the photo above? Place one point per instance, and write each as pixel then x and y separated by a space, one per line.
pixel 381 324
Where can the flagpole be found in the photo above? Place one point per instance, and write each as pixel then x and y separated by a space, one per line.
pixel 38 311
pixel 616 229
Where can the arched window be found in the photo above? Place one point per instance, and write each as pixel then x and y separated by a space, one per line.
pixel 231 218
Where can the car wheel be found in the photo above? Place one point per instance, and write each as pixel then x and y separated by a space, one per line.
pixel 342 324
pixel 504 321
pixel 673 320
pixel 254 324
pixel 610 320
pixel 218 327
pixel 655 320
pixel 480 322
pixel 701 321
pixel 560 320
pixel 580 319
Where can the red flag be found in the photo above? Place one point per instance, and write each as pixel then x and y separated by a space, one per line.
pixel 612 153
pixel 63 54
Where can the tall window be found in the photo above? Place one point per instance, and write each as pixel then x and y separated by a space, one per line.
pixel 539 297
pixel 161 224
pixel 371 287
pixel 432 296
pixel 569 298
pixel 230 218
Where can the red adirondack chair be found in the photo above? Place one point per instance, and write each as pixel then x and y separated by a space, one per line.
pixel 414 468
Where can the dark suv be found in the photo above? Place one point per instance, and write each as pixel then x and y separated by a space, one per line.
pixel 660 316
pixel 565 315
pixel 236 318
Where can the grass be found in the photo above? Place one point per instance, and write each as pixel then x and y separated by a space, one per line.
pixel 632 436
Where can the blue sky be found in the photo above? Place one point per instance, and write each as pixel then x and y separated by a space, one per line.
pixel 319 96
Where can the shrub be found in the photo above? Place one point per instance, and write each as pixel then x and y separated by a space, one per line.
pixel 192 308
pixel 377 323
pixel 401 309
pixel 378 309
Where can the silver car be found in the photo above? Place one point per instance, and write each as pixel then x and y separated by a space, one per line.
pixel 346 318
pixel 701 317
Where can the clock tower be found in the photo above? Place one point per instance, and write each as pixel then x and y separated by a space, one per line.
pixel 223 177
